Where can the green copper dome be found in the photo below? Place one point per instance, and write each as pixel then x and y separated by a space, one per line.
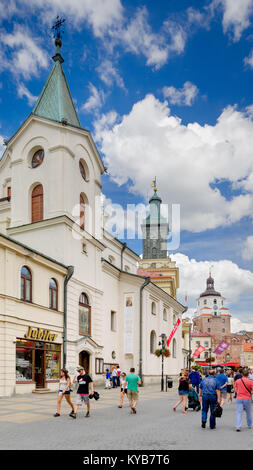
pixel 55 101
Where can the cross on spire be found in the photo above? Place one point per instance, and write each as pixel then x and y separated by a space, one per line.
pixel 58 32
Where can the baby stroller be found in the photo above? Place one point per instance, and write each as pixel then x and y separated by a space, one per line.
pixel 193 400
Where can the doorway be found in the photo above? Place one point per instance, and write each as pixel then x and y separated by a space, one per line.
pixel 39 368
pixel 84 360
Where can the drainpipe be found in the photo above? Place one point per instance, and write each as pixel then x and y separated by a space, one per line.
pixel 66 280
pixel 147 281
pixel 122 251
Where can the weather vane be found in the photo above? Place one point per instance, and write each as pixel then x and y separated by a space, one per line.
pixel 57 27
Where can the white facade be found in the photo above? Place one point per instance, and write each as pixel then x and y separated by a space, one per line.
pixel 96 256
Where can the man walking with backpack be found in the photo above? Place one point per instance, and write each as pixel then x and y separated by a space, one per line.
pixel 210 395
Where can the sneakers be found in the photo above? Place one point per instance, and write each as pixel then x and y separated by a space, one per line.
pixel 57 414
pixel 134 411
pixel 238 430
pixel 87 414
pixel 184 412
pixel 73 415
pixel 119 406
pixel 203 425
pixel 174 408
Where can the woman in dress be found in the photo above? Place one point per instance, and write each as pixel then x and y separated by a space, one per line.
pixel 123 388
pixel 230 386
pixel 64 390
pixel 183 391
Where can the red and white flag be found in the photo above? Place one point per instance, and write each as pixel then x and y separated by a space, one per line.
pixel 173 331
pixel 199 351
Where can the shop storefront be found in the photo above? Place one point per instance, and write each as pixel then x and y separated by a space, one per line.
pixel 38 358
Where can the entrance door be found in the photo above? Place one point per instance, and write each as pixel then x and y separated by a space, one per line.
pixel 39 368
pixel 84 360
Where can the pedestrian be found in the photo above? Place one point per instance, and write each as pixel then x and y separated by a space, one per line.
pixel 133 380
pixel 82 395
pixel 108 379
pixel 209 395
pixel 250 374
pixel 230 386
pixel 123 388
pixel 244 388
pixel 222 381
pixel 64 390
pixel 195 379
pixel 183 391
pixel 114 378
pixel 118 376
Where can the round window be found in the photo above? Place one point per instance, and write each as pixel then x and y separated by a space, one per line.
pixel 113 355
pixel 82 170
pixel 37 158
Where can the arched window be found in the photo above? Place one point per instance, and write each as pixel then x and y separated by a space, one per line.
pixel 205 302
pixel 53 294
pixel 174 319
pixel 153 308
pixel 84 316
pixel 26 284
pixel 215 301
pixel 37 203
pixel 152 342
pixel 82 212
pixel 174 348
pixel 165 317
pixel 154 252
pixel 37 158
pixel 111 259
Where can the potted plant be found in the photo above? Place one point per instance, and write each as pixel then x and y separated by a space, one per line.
pixel 162 352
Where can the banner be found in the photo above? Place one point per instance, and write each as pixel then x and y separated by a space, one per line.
pixel 199 351
pixel 173 331
pixel 221 348
pixel 128 323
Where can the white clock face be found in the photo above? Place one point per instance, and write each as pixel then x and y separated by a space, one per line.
pixel 215 307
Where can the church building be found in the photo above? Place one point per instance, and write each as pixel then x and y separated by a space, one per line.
pixel 107 313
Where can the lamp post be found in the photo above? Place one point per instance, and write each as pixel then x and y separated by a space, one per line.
pixel 210 351
pixel 162 343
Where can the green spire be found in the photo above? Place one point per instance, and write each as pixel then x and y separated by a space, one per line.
pixel 55 101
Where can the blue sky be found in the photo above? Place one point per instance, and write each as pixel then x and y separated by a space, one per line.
pixel 166 89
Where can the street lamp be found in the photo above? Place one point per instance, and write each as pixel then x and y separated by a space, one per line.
pixel 162 343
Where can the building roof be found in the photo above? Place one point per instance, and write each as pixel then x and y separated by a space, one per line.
pixel 199 334
pixel 248 347
pixel 152 274
pixel 210 288
pixel 55 101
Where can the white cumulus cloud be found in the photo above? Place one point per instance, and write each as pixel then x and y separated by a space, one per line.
pixel 188 160
pixel 24 92
pixel 247 251
pixel 181 96
pixel 95 101
pixel 236 15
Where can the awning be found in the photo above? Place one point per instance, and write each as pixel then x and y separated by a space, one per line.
pixel 232 364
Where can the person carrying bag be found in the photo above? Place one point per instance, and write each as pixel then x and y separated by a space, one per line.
pixel 243 388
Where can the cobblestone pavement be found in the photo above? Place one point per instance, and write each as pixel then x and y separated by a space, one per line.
pixel 27 422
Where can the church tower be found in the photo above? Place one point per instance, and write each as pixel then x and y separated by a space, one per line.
pixel 156 262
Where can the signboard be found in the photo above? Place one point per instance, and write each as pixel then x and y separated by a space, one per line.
pixel 39 334
pixel 199 351
pixel 221 348
pixel 173 331
pixel 129 324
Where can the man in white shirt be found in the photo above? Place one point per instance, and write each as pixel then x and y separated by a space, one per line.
pixel 114 378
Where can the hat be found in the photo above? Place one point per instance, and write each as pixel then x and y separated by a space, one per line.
pixel 80 368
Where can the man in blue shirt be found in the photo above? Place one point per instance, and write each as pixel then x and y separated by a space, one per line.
pixel 209 394
pixel 195 379
pixel 222 381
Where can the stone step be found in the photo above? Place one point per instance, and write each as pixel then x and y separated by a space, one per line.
pixel 43 390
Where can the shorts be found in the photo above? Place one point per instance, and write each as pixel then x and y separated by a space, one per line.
pixel 132 395
pixel 183 392
pixel 230 388
pixel 223 393
pixel 65 393
pixel 122 390
pixel 80 399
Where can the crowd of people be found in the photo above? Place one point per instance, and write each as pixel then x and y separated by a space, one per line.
pixel 212 391
pixel 207 392
pixel 128 384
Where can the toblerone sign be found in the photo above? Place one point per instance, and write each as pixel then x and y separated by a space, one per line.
pixel 39 334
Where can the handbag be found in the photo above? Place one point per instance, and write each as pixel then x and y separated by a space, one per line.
pixel 217 411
